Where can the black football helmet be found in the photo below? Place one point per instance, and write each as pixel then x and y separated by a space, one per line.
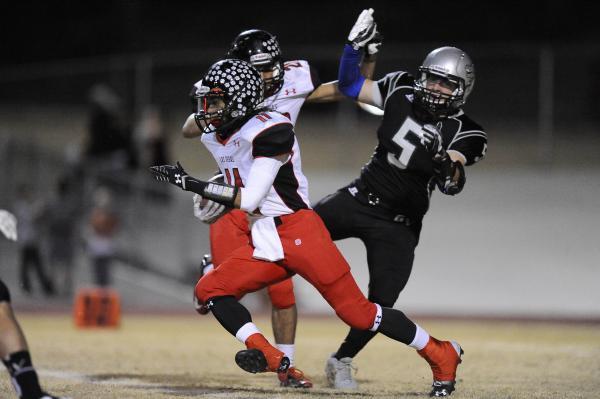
pixel 261 49
pixel 451 68
pixel 231 91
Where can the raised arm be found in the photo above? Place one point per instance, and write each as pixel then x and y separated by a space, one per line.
pixel 354 81
pixel 330 91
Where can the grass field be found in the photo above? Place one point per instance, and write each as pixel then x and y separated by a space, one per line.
pixel 192 356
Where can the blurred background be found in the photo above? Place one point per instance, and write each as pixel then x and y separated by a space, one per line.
pixel 93 93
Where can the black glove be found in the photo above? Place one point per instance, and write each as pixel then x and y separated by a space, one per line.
pixel 219 192
pixel 432 139
pixel 450 175
pixel 172 174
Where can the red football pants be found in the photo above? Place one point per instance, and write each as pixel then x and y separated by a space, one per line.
pixel 308 251
pixel 231 232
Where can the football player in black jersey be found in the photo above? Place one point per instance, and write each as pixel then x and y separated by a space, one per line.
pixel 424 140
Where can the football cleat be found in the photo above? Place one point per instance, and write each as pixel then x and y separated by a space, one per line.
pixel 206 266
pixel 296 379
pixel 254 361
pixel 443 358
pixel 48 396
pixel 339 373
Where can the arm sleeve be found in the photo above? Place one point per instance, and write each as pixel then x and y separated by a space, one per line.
pixel 260 180
pixel 471 144
pixel 350 80
pixel 275 140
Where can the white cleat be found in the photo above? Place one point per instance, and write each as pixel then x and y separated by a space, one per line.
pixel 339 373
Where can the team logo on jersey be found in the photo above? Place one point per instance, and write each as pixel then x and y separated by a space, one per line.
pixel 410 97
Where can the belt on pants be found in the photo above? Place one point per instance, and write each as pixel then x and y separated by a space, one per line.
pixel 368 198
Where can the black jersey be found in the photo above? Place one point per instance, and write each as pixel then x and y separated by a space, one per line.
pixel 401 169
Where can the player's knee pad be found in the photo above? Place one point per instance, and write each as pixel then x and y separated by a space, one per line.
pixel 4 292
pixel 210 287
pixel 282 294
pixel 359 315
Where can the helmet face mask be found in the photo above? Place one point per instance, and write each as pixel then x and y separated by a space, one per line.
pixel 444 81
pixel 261 49
pixel 230 91
pixel 211 107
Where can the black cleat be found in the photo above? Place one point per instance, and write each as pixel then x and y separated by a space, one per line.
pixel 445 388
pixel 254 361
pixel 442 388
pixel 295 379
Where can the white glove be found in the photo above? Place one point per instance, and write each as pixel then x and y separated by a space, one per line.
pixel 208 211
pixel 8 225
pixel 363 31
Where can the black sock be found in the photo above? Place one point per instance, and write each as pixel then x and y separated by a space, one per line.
pixel 354 342
pixel 230 313
pixel 395 325
pixel 23 375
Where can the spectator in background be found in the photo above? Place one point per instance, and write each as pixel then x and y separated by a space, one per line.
pixel 29 211
pixel 151 136
pixel 61 216
pixel 109 146
pixel 103 226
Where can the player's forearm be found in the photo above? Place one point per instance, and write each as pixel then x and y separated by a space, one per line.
pixel 190 129
pixel 350 80
pixel 327 92
pixel 367 66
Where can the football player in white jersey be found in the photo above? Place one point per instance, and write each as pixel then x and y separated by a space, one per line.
pixel 288 85
pixel 288 237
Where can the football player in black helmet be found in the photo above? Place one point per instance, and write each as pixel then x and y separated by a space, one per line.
pixel 222 106
pixel 261 49
pixel 287 86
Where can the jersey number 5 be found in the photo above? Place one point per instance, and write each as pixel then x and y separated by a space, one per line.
pixel 406 147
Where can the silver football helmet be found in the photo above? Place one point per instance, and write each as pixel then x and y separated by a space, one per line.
pixel 450 68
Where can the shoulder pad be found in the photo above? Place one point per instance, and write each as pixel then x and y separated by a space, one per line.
pixel 260 122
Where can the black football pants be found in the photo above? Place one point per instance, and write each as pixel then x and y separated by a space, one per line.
pixel 390 252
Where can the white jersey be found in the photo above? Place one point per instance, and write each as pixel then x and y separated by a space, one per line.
pixel 265 134
pixel 298 83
